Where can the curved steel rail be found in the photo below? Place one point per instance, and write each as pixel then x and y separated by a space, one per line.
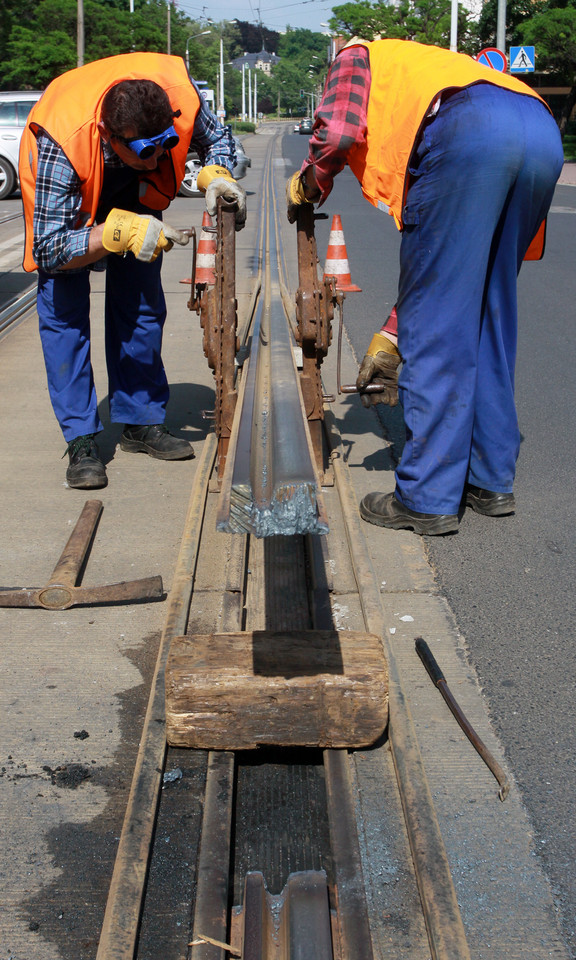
pixel 270 483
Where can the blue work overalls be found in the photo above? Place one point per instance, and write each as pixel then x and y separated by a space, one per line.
pixel 483 178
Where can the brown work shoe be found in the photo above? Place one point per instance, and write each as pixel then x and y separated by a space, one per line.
pixel 385 510
pixel 489 503
pixel 155 440
pixel 86 470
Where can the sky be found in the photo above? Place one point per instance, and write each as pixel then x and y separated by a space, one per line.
pixel 309 14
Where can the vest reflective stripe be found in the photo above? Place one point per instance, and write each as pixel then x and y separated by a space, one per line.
pixel 406 78
pixel 69 110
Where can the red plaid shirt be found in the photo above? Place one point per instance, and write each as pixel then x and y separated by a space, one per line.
pixel 341 117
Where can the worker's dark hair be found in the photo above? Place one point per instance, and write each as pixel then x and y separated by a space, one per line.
pixel 139 104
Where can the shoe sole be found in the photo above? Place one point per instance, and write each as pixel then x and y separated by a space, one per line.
pixel 138 446
pixel 89 483
pixel 431 528
pixel 495 510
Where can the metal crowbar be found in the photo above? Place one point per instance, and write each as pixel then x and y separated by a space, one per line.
pixel 439 681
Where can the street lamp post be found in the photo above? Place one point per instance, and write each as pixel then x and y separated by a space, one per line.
pixel 193 37
pixel 221 74
pixel 80 34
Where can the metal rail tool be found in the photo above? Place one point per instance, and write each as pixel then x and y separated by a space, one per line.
pixel 61 591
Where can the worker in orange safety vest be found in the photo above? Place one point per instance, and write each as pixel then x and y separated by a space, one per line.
pixel 103 154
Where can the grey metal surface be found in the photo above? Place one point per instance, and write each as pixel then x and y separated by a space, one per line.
pixel 270 484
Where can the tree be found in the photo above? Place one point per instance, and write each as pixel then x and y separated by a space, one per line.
pixel 426 21
pixel 517 13
pixel 553 33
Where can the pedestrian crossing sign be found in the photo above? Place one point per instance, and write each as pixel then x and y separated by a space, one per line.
pixel 522 59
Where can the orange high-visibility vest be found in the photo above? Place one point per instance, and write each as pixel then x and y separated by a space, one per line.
pixel 406 78
pixel 69 111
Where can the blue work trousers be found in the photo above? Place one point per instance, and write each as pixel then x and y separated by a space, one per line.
pixel 482 181
pixel 134 315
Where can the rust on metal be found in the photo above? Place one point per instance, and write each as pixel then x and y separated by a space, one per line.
pixel 315 301
pixel 61 591
pixel 296 923
pixel 217 307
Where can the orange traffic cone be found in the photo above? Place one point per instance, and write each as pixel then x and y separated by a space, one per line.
pixel 337 259
pixel 205 254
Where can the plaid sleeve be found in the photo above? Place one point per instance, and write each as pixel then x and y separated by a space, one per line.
pixel 59 234
pixel 340 122
pixel 212 141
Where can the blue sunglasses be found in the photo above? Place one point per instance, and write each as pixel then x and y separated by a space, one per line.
pixel 144 147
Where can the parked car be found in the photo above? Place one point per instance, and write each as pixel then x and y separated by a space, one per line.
pixel 193 168
pixel 306 125
pixel 14 109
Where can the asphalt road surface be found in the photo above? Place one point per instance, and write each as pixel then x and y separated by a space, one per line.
pixel 510 581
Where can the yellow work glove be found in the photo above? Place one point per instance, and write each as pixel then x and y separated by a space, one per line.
pixel 295 196
pixel 379 366
pixel 144 236
pixel 215 181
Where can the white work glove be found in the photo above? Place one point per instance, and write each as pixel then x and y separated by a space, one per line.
pixel 144 236
pixel 215 181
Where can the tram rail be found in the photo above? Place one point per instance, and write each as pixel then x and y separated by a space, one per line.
pixel 276 583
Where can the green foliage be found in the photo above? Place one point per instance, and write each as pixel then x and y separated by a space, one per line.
pixel 425 21
pixel 517 13
pixel 553 33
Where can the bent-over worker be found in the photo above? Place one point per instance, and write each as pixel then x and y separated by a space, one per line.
pixel 465 159
pixel 102 155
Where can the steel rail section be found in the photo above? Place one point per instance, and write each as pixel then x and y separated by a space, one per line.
pixel 119 935
pixel 270 484
pixel 16 310
pixel 440 908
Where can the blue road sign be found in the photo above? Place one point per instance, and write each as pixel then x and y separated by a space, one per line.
pixel 522 59
pixel 494 58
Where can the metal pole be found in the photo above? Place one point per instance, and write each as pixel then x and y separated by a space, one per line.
pixel 80 33
pixel 221 74
pixel 243 91
pixel 249 94
pixel 501 26
pixel 454 26
pixel 168 38
pixel 255 98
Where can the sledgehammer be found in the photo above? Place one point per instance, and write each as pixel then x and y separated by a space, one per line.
pixel 439 681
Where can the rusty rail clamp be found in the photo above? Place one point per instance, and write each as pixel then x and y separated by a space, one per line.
pixel 61 591
pixel 439 681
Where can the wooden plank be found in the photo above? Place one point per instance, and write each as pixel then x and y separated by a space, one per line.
pixel 237 691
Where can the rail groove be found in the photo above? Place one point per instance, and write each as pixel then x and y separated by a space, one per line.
pixel 253 597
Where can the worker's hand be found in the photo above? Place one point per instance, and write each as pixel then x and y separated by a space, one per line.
pixel 295 196
pixel 379 366
pixel 144 236
pixel 215 181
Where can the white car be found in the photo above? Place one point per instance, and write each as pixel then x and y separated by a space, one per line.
pixel 14 110
pixel 188 187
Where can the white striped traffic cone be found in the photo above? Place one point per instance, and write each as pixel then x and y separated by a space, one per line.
pixel 205 254
pixel 337 259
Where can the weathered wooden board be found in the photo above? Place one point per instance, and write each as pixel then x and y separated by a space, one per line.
pixel 237 691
